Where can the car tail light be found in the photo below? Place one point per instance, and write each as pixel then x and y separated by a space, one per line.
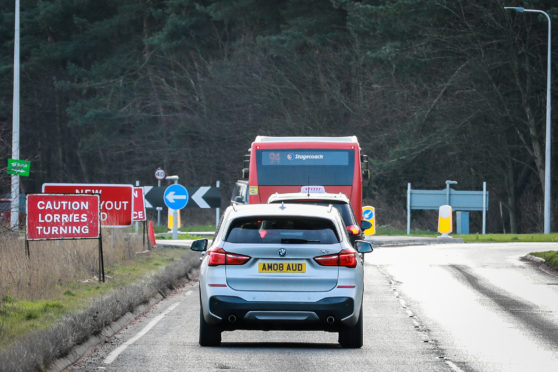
pixel 346 258
pixel 218 256
pixel 353 229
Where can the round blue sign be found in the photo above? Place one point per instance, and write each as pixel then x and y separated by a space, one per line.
pixel 368 214
pixel 176 196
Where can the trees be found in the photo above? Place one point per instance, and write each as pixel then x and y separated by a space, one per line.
pixel 434 89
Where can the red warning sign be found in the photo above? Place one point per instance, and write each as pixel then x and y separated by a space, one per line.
pixel 63 216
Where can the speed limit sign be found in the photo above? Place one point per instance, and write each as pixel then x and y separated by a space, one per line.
pixel 160 174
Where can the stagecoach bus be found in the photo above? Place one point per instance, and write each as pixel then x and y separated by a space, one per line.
pixel 306 164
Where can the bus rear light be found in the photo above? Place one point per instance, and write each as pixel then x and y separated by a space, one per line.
pixel 218 256
pixel 345 258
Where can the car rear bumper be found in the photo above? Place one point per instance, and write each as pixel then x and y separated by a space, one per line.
pixel 326 314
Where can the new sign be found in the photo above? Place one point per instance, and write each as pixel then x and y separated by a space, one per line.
pixel 117 201
pixel 56 216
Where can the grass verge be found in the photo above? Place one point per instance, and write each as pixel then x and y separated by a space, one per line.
pixel 508 238
pixel 551 258
pixel 19 316
pixel 73 321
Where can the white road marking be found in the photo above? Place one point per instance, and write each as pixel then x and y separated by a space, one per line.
pixel 453 366
pixel 116 352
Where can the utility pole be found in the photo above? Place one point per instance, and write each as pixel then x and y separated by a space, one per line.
pixel 14 219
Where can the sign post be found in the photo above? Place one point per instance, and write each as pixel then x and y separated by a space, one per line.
pixel 176 197
pixel 160 174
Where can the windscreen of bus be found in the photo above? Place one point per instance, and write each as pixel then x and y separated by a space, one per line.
pixel 305 167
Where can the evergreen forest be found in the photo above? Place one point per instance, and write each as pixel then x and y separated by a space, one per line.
pixel 434 90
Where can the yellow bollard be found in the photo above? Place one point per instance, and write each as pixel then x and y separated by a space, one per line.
pixel 445 222
pixel 170 219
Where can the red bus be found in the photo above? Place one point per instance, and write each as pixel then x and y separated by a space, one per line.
pixel 307 164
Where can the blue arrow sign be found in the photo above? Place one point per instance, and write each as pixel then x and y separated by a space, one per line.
pixel 368 214
pixel 176 196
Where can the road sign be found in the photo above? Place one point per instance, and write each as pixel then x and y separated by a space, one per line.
pixel 139 205
pixel 117 202
pixel 62 216
pixel 160 174
pixel 368 214
pixel 19 167
pixel 176 196
pixel 201 197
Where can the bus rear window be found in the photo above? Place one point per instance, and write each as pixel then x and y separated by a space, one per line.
pixel 305 167
pixel 282 230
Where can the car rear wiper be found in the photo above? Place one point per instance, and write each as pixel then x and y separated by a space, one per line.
pixel 297 241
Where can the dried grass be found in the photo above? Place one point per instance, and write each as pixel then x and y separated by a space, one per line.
pixel 55 263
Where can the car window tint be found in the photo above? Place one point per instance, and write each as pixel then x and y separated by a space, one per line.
pixel 285 230
pixel 343 208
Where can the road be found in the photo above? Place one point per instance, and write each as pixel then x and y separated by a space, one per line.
pixel 448 307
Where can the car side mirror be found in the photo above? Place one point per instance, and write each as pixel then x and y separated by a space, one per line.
pixel 365 225
pixel 363 247
pixel 199 245
pixel 239 199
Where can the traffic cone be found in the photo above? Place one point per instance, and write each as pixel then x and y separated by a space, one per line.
pixel 151 233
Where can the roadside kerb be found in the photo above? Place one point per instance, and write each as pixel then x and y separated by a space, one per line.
pixel 398 241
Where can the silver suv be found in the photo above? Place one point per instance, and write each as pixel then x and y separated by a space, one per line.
pixel 278 266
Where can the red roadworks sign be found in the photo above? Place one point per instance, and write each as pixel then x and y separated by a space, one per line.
pixel 62 216
pixel 117 201
pixel 139 205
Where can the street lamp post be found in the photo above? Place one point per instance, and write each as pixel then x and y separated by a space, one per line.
pixel 14 217
pixel 548 131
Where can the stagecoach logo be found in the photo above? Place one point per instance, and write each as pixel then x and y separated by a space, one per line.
pixel 282 252
pixel 303 157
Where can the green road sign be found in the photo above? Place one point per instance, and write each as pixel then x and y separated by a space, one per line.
pixel 19 167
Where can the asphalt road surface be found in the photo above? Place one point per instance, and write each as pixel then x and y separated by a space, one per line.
pixel 460 307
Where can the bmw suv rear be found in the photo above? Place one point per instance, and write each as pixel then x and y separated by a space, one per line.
pixel 281 266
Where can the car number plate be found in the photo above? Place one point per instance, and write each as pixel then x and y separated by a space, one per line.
pixel 282 267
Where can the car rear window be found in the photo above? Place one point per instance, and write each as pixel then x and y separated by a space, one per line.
pixel 343 208
pixel 282 230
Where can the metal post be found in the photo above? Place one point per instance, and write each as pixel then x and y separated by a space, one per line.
pixel 175 219
pixel 448 191
pixel 409 208
pixel 217 210
pixel 137 222
pixel 548 141
pixel 159 209
pixel 14 217
pixel 484 208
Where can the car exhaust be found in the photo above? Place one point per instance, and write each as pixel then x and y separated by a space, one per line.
pixel 330 319
pixel 231 318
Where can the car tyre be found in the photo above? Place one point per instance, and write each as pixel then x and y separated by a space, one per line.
pixel 351 337
pixel 210 335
